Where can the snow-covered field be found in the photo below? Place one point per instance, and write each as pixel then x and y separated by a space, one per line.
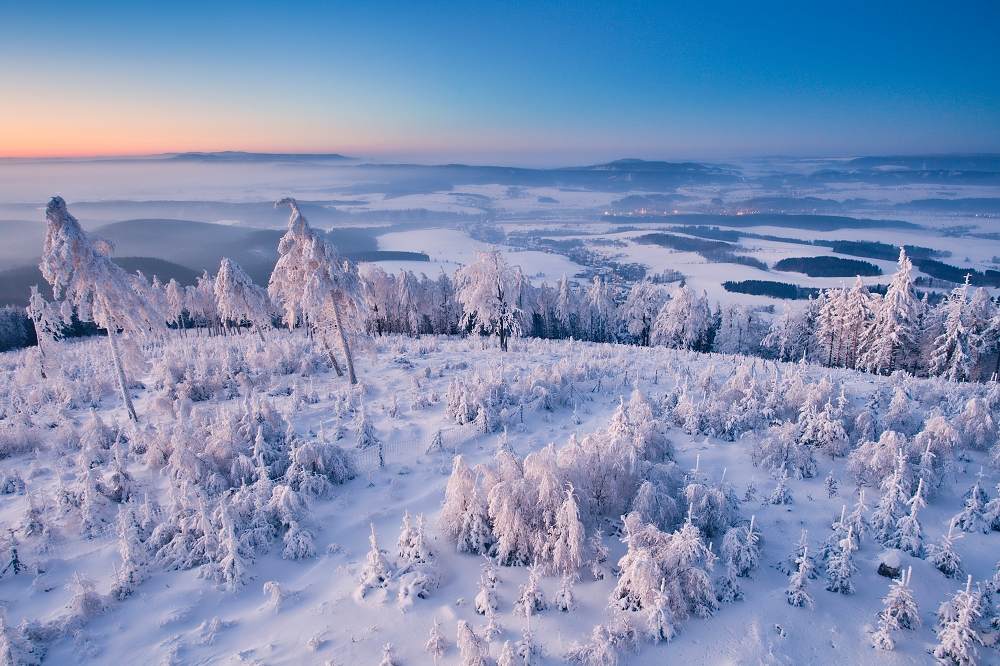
pixel 200 392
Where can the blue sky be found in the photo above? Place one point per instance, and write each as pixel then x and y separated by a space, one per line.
pixel 531 83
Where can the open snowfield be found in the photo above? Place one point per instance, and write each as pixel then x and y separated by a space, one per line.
pixel 544 393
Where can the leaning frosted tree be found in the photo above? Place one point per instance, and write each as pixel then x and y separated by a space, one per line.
pixel 87 284
pixel 311 278
pixel 239 300
pixel 487 290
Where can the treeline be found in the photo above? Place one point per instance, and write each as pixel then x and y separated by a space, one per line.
pixel 828 267
pixel 711 250
pixel 770 288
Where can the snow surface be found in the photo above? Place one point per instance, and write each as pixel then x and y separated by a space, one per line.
pixel 179 617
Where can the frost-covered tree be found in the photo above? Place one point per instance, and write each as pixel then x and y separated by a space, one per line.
pixel 781 494
pixel 908 536
pixel 487 289
pixel 976 424
pixel 311 277
pixel 640 309
pixel 892 328
pixel 796 592
pixel 239 300
pixel 900 612
pixel 437 645
pixel 972 518
pixel 824 430
pixel 563 600
pixel 841 567
pixel 943 555
pixel 87 284
pixel 658 617
pixel 741 548
pixel 464 517
pixel 857 521
pixel 953 356
pixel 741 330
pixel 956 633
pixel 531 600
pixel 134 553
pixel 892 506
pixel 569 550
pixel 473 650
pixel 684 322
pixel 377 571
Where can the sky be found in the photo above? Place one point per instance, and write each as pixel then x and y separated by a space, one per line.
pixel 526 83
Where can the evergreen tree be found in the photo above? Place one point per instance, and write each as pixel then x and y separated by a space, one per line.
pixel 908 536
pixel 437 645
pixel 796 592
pixel 892 329
pixel 741 548
pixel 956 631
pixel 972 517
pixel 900 612
pixel 841 567
pixel 943 556
pixel 953 356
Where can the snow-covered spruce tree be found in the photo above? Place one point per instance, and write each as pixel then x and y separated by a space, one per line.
pixel 953 356
pixel 569 551
pixel 239 300
pixel 976 425
pixel 972 518
pixel 943 555
pixel 134 553
pixel 640 309
pixel 438 644
pixel 486 289
pixel 487 599
pixel 781 494
pixel 682 559
pixel 796 592
pixel 891 331
pixel 908 536
pixel 684 322
pixel 377 571
pixel 874 461
pixel 87 284
pixel 474 651
pixel 464 517
pixel 857 521
pixel 841 567
pixel 311 277
pixel 900 612
pixel 824 430
pixel 831 485
pixel 782 449
pixel 531 601
pixel 991 514
pixel 892 506
pixel 741 548
pixel 563 600
pixel 387 657
pixel 956 633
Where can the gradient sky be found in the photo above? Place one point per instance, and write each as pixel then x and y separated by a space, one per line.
pixel 516 82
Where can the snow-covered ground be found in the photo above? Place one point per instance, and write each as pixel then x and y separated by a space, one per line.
pixel 549 392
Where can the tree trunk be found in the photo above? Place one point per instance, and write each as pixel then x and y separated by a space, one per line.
pixel 343 342
pixel 120 373
pixel 333 359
